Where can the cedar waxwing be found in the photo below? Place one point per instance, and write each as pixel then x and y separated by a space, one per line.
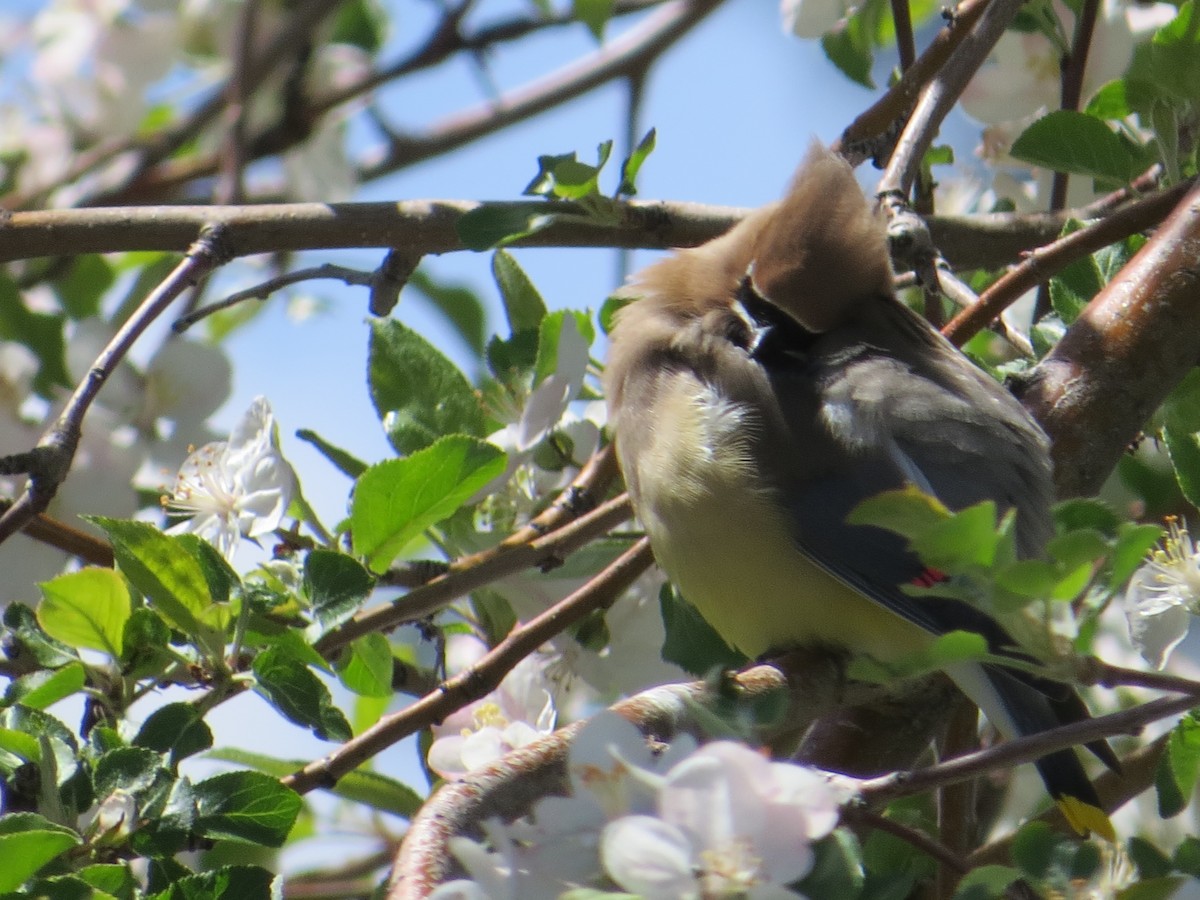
pixel 760 387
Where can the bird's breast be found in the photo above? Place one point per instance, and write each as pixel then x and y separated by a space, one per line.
pixel 720 530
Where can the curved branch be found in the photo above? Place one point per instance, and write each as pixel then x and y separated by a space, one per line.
pixel 482 678
pixel 1116 364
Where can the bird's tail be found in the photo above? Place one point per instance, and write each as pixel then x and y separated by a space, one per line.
pixel 1020 705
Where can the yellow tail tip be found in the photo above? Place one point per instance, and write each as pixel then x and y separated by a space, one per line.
pixel 1087 819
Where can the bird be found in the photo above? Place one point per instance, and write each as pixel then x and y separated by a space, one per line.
pixel 761 386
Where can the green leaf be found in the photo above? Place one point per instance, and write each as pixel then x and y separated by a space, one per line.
pixel 1174 56
pixel 1086 512
pixel 1076 284
pixel 360 786
pixel 1186 857
pixel 291 687
pixel 1034 847
pixel 968 538
pixel 21 628
pixel 219 575
pixel 837 867
pixel 21 745
pixel 83 285
pixel 909 512
pixel 227 883
pixel 1075 548
pixel 1069 141
pixel 87 608
pixel 365 667
pixel 986 882
pixel 565 177
pixel 690 642
pixel 419 394
pixel 163 569
pixel 380 792
pixel 24 853
pixel 549 336
pixel 40 332
pixel 1150 861
pixel 396 500
pixel 132 769
pixel 246 806
pixel 336 585
pixel 146 639
pixel 40 689
pixel 849 48
pixel 1033 578
pixel 497 224
pixel 458 305
pixel 112 879
pixel 1181 433
pixel 594 14
pixel 633 165
pixel 523 305
pixel 346 462
pixel 1133 544
pixel 1183 761
pixel 1110 102
pixel 361 24
pixel 178 729
pixel 608 311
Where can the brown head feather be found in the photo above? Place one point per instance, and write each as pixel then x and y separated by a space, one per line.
pixel 824 251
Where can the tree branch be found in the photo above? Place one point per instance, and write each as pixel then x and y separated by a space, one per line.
pixel 1130 346
pixel 482 678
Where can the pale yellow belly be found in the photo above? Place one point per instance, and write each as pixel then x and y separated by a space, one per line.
pixel 720 538
pixel 745 576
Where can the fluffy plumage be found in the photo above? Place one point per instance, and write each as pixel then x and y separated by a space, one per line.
pixel 764 384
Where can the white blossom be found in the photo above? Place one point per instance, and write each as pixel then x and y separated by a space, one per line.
pixel 814 18
pixel 730 824
pixel 1163 595
pixel 516 713
pixel 236 488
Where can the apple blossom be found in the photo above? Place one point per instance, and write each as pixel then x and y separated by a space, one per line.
pixel 236 488
pixel 513 715
pixel 1163 595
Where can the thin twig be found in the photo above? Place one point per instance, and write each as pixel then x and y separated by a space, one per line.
pixel 51 460
pixel 1043 263
pixel 942 93
pixel 355 277
pixel 302 18
pixel 50 531
pixel 883 116
pixel 912 836
pixel 1022 750
pixel 1073 70
pixel 628 53
pixel 902 19
pixel 475 572
pixel 620 56
pixel 481 678
pixel 233 152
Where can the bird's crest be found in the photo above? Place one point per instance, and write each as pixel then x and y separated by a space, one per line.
pixel 824 250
